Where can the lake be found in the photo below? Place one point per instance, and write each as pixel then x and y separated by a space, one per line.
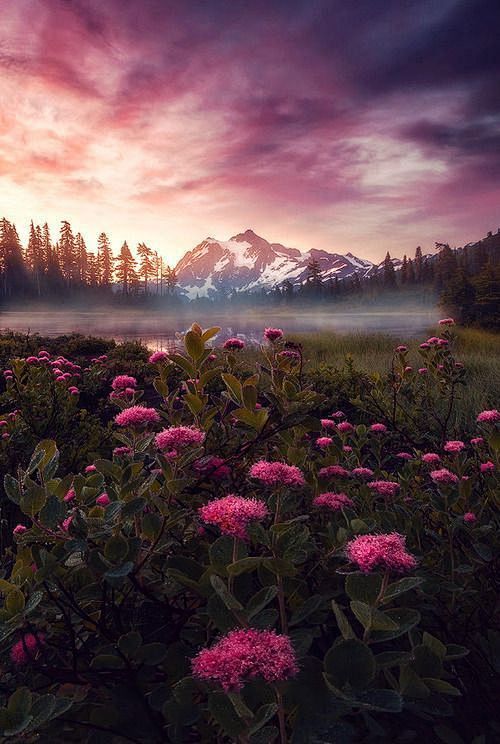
pixel 158 330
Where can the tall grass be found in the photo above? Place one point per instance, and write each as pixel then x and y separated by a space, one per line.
pixel 478 350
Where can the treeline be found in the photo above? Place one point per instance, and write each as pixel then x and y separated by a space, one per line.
pixel 465 281
pixel 46 269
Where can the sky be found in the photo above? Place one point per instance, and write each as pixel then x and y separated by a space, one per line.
pixel 345 125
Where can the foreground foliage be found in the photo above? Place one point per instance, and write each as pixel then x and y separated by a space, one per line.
pixel 248 564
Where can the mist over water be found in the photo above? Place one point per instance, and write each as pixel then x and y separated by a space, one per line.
pixel 158 329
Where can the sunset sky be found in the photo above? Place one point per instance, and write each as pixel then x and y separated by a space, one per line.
pixel 347 125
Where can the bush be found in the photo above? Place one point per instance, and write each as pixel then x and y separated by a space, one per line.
pixel 242 568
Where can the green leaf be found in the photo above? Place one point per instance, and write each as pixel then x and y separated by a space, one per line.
pixel 405 618
pixel 107 661
pixel 53 512
pixel 401 586
pixel 411 685
pixel 453 651
pixel 49 449
pixel 194 345
pixel 209 333
pixel 223 592
pixel 442 687
pixel 221 708
pixel 387 701
pixel 263 715
pixel 363 587
pixel 350 662
pixel 342 621
pixel 245 565
pixel 389 659
pixel 426 663
pixel 279 566
pixel 19 704
pixel 234 387
pixel 130 643
pixel 14 601
pixel 311 605
pixel 260 600
pixel 370 617
pixel 33 601
pixel 483 550
pixel 133 507
pixel 152 654
pixel 32 499
pixel 116 548
pixel 151 525
pixel 436 646
pixel 115 576
pixel 12 488
pixel 194 403
pixel 249 397
pixel 184 363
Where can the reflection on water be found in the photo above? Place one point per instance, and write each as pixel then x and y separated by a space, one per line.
pixel 158 330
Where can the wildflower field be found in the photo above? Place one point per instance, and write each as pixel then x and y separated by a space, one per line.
pixel 255 546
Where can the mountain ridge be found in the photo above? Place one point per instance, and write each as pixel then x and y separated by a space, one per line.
pixel 248 261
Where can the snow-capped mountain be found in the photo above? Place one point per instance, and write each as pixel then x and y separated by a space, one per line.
pixel 249 262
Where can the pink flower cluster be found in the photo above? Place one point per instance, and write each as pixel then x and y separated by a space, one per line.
pixel 327 424
pixel 233 344
pixel 333 471
pixel 26 648
pixel 444 476
pixel 158 356
pixel 345 427
pixel 137 416
pixel 179 437
pixel 431 458
pixel 232 514
pixel 121 382
pixel 446 322
pixel 490 417
pixel 362 472
pixel 454 446
pixel 378 428
pixel 384 488
pixel 487 467
pixel 333 501
pixel 470 517
pixel 386 551
pixel 122 451
pixel 242 655
pixel 277 473
pixel 324 442
pixel 273 334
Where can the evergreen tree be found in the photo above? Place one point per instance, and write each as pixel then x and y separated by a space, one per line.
pixel 81 259
pixel 146 264
pixel 487 301
pixel 125 269
pixel 67 254
pixel 389 273
pixel 171 280
pixel 314 281
pixel 418 264
pixel 404 271
pixel 14 277
pixel 92 278
pixel 104 261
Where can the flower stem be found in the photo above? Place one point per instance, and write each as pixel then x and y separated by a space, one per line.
pixel 281 716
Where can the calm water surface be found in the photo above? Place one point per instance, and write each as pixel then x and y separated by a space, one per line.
pixel 158 330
